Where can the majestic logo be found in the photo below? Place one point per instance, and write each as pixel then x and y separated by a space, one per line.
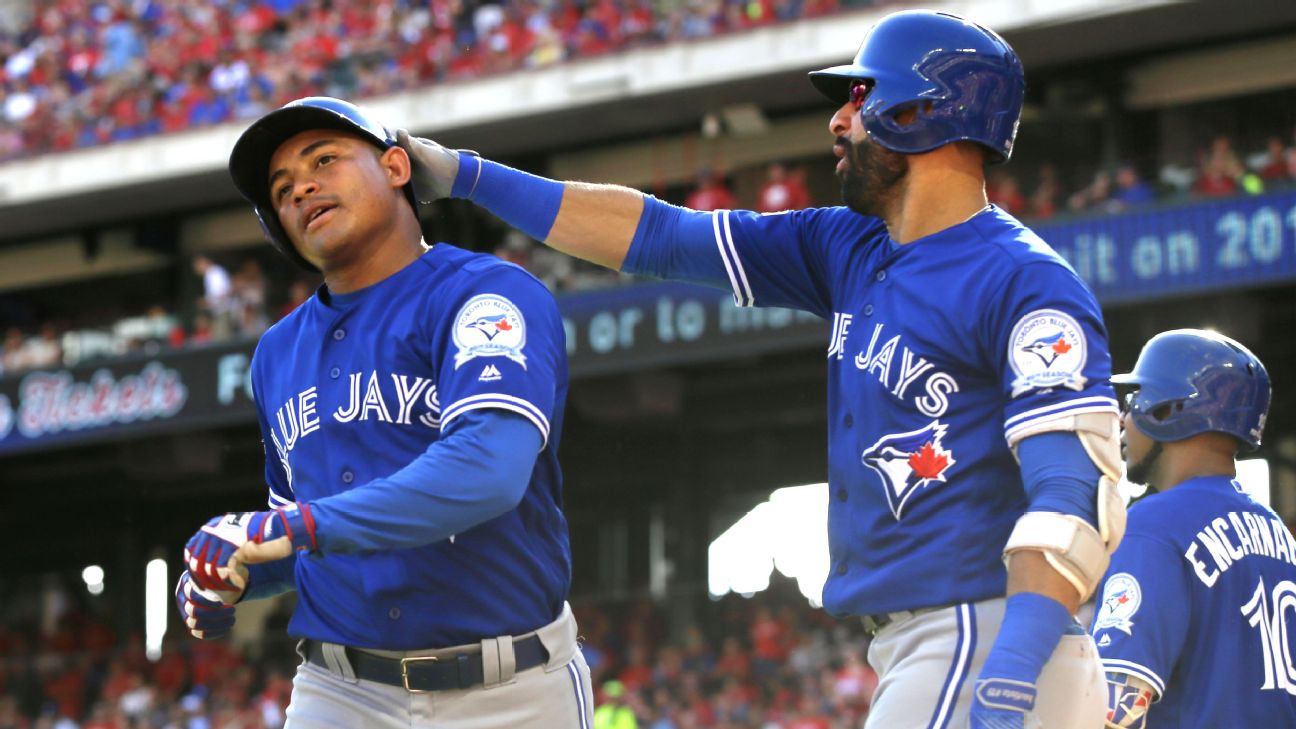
pixel 1121 599
pixel 1047 348
pixel 909 461
pixel 490 373
pixel 489 325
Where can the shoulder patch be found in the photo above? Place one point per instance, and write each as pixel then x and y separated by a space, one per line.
pixel 1121 599
pixel 489 325
pixel 1047 348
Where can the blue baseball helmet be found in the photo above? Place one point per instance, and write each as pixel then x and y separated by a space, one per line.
pixel 965 82
pixel 1197 382
pixel 249 163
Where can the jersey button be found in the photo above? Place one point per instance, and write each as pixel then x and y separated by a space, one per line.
pixel 394 613
pixel 841 494
pixel 848 421
pixel 841 569
pixel 881 275
pixel 339 334
pixel 335 372
pixel 347 477
pixel 868 310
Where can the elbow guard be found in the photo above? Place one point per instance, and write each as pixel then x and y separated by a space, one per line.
pixel 1075 549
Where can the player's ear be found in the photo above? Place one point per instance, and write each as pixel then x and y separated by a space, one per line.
pixel 396 163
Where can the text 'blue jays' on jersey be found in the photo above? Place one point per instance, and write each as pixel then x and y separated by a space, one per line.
pixel 941 351
pixel 1200 602
pixel 352 388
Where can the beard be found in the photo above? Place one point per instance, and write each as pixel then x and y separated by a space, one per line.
pixel 1141 472
pixel 873 177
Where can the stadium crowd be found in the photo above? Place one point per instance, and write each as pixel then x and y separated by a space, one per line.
pixel 85 72
pixel 769 662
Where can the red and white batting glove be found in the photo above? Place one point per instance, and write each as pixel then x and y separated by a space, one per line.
pixel 204 612
pixel 246 537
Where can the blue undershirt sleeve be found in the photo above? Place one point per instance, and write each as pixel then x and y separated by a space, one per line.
pixel 269 579
pixel 1059 476
pixel 676 243
pixel 478 470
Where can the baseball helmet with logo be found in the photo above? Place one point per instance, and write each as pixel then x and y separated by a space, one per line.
pixel 1194 381
pixel 964 82
pixel 250 161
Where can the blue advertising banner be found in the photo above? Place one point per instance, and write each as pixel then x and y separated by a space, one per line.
pixel 1190 248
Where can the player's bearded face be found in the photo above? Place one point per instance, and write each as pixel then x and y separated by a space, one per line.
pixel 872 176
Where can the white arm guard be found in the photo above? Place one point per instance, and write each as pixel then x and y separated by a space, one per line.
pixel 1074 548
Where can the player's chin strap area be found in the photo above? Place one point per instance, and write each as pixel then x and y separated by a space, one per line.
pixel 1071 545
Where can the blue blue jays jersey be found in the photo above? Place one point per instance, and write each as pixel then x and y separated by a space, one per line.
pixel 1200 602
pixel 352 388
pixel 941 351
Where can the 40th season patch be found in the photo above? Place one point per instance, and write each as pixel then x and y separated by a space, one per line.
pixel 1121 599
pixel 1047 349
pixel 489 325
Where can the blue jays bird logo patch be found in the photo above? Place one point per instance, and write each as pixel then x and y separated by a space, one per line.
pixel 1047 349
pixel 1121 599
pixel 489 325
pixel 909 461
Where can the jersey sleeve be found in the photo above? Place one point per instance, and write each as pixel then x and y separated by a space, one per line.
pixel 1143 614
pixel 1051 348
pixel 779 259
pixel 505 348
pixel 277 473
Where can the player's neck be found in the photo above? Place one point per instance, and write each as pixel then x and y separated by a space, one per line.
pixel 936 198
pixel 1185 460
pixel 375 264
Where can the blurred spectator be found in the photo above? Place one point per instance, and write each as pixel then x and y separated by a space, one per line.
pixel 218 295
pixel 711 193
pixel 298 292
pixel 1220 170
pixel 783 190
pixel 12 356
pixel 1271 164
pixel 44 350
pixel 1094 196
pixel 249 298
pixel 614 714
pixel 1043 201
pixel 1131 190
pixel 1004 191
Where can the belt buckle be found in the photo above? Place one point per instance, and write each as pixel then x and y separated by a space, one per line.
pixel 405 671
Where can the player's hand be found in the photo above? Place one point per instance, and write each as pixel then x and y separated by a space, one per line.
pixel 434 166
pixel 254 536
pixel 1001 703
pixel 207 614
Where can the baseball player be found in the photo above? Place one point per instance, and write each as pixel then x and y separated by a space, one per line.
pixel 971 419
pixel 1199 603
pixel 411 412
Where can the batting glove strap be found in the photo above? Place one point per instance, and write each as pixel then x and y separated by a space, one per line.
pixel 294 522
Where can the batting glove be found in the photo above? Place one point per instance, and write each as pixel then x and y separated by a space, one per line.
pixel 434 167
pixel 204 612
pixel 247 537
pixel 1000 703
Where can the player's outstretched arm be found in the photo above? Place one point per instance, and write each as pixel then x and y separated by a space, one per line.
pixel 594 222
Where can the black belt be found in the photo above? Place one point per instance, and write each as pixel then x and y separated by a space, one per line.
pixel 430 673
pixel 874 623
